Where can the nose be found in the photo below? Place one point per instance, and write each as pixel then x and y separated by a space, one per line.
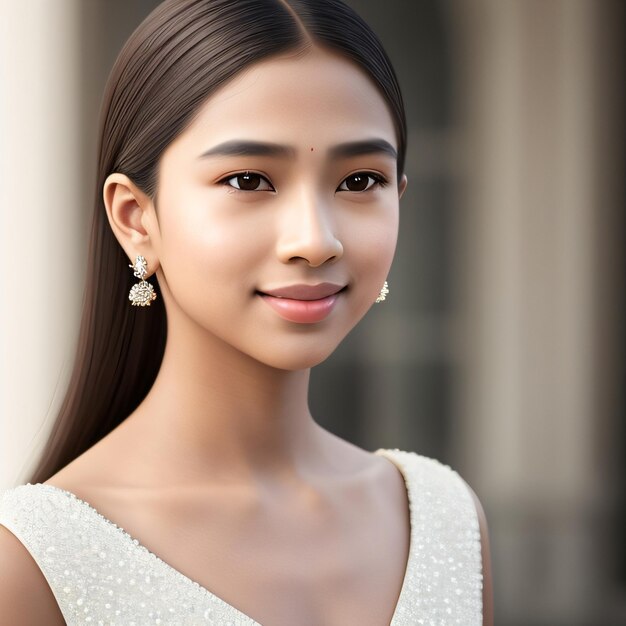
pixel 306 232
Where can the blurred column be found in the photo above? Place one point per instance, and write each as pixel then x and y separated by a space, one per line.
pixel 55 56
pixel 529 98
pixel 41 229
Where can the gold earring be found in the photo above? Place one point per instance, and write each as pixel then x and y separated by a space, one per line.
pixel 141 294
pixel 383 292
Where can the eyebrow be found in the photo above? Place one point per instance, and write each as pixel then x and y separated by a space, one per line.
pixel 366 146
pixel 238 147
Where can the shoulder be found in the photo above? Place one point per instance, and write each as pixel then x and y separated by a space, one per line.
pixel 25 596
pixel 440 492
pixel 487 584
pixel 428 472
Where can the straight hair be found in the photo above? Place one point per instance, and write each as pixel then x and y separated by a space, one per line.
pixel 180 54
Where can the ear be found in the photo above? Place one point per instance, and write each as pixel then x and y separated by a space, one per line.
pixel 132 218
pixel 402 185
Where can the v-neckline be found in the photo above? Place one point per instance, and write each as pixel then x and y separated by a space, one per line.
pixel 237 613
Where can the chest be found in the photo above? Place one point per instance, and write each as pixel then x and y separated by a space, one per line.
pixel 342 564
pixel 333 564
pixel 284 569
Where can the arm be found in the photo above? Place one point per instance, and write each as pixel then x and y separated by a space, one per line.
pixel 25 596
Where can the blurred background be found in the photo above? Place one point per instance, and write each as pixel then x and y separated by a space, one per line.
pixel 499 350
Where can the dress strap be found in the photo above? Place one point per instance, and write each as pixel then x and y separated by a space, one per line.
pixel 443 583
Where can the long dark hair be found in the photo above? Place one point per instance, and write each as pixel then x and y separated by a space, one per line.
pixel 176 58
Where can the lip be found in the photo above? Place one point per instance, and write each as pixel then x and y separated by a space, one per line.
pixel 301 310
pixel 304 292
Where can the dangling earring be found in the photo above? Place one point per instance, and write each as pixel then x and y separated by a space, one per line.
pixel 142 293
pixel 383 292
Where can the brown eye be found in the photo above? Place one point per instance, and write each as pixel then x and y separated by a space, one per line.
pixel 361 181
pixel 248 181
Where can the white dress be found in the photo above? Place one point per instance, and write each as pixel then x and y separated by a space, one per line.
pixel 101 575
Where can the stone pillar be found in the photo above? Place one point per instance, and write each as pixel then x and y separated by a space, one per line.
pixel 529 101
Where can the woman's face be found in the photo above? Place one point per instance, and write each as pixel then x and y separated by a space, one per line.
pixel 286 177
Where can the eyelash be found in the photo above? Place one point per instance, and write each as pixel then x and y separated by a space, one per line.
pixel 379 181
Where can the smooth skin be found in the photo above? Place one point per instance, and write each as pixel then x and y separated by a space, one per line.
pixel 221 470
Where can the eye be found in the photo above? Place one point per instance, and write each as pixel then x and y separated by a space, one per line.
pixel 362 181
pixel 248 181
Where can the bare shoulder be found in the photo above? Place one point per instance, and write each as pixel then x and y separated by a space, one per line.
pixel 25 596
pixel 486 559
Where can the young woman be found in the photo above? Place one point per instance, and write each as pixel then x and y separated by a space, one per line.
pixel 251 163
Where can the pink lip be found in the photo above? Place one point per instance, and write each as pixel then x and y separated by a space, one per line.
pixel 304 292
pixel 301 311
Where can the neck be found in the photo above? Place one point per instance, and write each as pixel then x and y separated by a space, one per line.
pixel 217 413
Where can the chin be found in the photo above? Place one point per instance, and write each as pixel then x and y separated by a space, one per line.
pixel 295 355
pixel 297 361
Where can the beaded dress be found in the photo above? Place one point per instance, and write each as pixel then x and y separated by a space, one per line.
pixel 101 575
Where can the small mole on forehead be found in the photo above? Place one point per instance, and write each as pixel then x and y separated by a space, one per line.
pixel 311 149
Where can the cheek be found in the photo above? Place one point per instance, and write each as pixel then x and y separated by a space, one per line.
pixel 373 244
pixel 207 255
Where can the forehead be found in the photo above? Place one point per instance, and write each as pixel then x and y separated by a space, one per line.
pixel 317 98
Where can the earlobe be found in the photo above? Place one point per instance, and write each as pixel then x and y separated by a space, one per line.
pixel 125 205
pixel 402 185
